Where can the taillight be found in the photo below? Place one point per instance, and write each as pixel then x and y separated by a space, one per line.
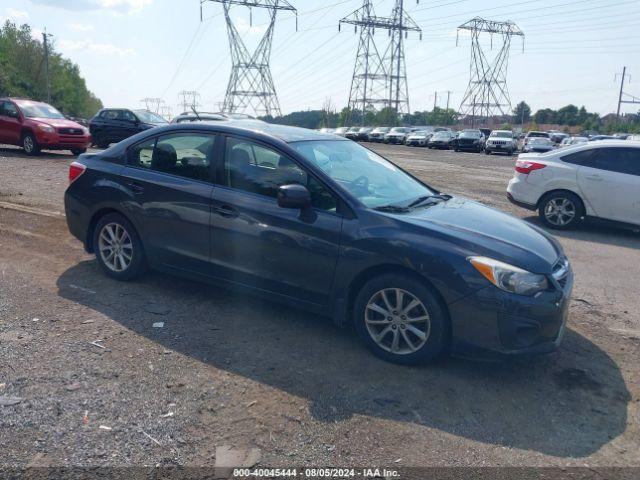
pixel 75 170
pixel 522 166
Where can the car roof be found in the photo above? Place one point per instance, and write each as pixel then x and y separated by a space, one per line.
pixel 284 133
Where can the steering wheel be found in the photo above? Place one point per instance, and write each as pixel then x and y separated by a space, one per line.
pixel 361 183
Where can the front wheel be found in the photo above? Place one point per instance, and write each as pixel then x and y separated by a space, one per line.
pixel 400 320
pixel 118 247
pixel 30 144
pixel 79 151
pixel 561 210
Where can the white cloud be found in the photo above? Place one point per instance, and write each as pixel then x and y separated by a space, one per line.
pixel 14 15
pixel 89 46
pixel 80 27
pixel 114 6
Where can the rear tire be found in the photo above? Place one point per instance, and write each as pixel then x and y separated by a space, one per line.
pixel 561 210
pixel 118 248
pixel 79 151
pixel 399 332
pixel 30 144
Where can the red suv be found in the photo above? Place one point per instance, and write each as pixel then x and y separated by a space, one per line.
pixel 36 125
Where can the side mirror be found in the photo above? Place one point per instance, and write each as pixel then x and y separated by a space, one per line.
pixel 294 196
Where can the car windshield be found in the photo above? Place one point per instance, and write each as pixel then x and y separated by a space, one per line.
pixel 501 134
pixel 419 134
pixel 367 176
pixel 399 130
pixel 538 134
pixel 39 110
pixel 148 117
pixel 541 141
pixel 439 135
pixel 381 130
pixel 470 134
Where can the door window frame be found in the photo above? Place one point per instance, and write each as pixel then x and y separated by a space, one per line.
pixel 217 152
pixel 341 206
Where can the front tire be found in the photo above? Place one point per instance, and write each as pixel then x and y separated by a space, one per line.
pixel 561 210
pixel 400 319
pixel 30 144
pixel 118 248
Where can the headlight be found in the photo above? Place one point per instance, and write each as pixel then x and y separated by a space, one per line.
pixel 45 128
pixel 509 278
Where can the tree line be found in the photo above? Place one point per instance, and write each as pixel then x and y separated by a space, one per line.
pixel 22 73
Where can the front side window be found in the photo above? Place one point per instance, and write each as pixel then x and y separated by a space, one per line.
pixel 128 116
pixel 371 179
pixel 183 154
pixel 620 160
pixel 258 169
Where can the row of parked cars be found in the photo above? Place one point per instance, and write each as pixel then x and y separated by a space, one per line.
pixel 476 140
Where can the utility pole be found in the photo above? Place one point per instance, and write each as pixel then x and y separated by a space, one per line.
pixel 45 40
pixel 449 92
pixel 379 76
pixel 621 99
pixel 435 101
pixel 251 86
pixel 487 87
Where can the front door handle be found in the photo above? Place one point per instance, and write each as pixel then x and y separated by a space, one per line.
pixel 226 211
pixel 136 188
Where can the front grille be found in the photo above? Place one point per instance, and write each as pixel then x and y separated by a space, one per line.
pixel 498 142
pixel 70 131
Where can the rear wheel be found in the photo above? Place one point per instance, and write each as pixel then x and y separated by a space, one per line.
pixel 79 151
pixel 487 152
pixel 561 210
pixel 30 144
pixel 118 247
pixel 400 320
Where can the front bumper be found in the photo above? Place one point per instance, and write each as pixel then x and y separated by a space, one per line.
pixel 492 323
pixel 499 148
pixel 56 141
pixel 395 140
pixel 416 142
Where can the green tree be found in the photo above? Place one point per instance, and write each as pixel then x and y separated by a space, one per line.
pixel 522 113
pixel 22 73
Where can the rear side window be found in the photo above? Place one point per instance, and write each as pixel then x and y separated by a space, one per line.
pixel 8 109
pixel 620 160
pixel 187 155
pixel 582 158
pixel 110 115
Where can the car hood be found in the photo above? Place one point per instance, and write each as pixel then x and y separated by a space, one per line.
pixel 58 122
pixel 481 230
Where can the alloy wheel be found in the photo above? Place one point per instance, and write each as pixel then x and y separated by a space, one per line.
pixel 397 321
pixel 116 247
pixel 560 211
pixel 27 144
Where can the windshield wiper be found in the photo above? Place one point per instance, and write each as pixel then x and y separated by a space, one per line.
pixel 434 199
pixel 392 209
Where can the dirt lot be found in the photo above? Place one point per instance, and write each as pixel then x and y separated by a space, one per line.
pixel 283 387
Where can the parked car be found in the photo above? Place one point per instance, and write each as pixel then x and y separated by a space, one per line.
pixel 486 132
pixel 327 130
pixel 501 141
pixel 596 138
pixel 397 135
pixel 570 141
pixel 378 133
pixel 363 134
pixel 534 134
pixel 352 133
pixel 621 136
pixel 469 139
pixel 112 125
pixel 539 145
pixel 441 139
pixel 418 139
pixel 557 137
pixel 323 224
pixel 341 131
pixel 634 138
pixel 36 125
pixel 199 117
pixel 595 179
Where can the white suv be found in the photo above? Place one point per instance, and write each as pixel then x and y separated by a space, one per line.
pixel 599 179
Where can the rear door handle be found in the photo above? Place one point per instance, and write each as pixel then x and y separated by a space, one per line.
pixel 595 178
pixel 136 188
pixel 226 211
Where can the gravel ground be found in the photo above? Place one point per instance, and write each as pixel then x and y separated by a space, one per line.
pixel 95 381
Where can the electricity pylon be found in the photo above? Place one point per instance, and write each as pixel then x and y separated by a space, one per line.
pixel 188 100
pixel 487 93
pixel 250 85
pixel 379 76
pixel 153 104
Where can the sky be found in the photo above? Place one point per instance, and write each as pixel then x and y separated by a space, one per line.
pixel 128 50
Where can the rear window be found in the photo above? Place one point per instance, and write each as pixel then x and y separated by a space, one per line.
pixel 538 134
